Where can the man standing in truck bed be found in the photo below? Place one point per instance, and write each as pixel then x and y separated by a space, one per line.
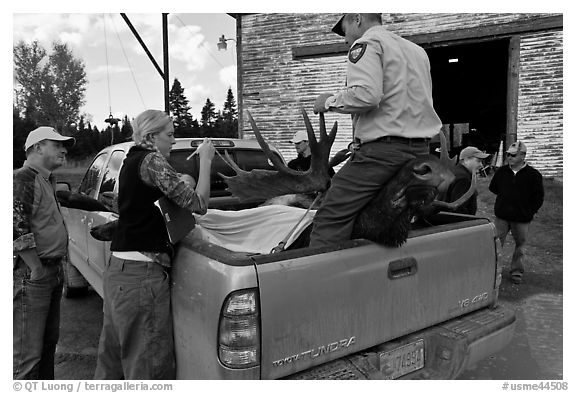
pixel 389 94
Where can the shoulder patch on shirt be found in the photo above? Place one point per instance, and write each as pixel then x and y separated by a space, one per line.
pixel 357 51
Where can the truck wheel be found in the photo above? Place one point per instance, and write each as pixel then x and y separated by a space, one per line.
pixel 75 285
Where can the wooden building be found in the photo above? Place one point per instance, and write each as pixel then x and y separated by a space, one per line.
pixel 496 77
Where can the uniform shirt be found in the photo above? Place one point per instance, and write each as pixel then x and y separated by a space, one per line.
pixel 37 220
pixel 389 88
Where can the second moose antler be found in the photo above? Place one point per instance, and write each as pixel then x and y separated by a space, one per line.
pixel 261 184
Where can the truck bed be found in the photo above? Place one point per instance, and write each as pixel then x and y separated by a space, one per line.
pixel 321 304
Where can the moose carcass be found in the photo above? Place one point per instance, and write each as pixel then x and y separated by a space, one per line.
pixel 386 218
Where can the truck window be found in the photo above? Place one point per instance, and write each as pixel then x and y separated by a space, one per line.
pixel 111 172
pixel 90 181
pixel 246 159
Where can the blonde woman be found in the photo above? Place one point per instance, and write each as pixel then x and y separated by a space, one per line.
pixel 137 340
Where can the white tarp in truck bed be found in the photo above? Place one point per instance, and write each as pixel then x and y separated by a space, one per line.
pixel 256 230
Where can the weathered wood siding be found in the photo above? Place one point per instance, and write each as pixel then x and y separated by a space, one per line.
pixel 275 85
pixel 540 101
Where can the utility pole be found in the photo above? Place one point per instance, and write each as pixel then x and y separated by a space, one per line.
pixel 166 71
pixel 164 74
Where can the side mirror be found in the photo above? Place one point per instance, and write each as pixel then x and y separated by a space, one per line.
pixel 63 186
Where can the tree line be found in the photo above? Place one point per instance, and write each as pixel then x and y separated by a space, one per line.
pixel 50 89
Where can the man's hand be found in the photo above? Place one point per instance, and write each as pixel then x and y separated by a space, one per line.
pixel 320 103
pixel 340 157
pixel 37 273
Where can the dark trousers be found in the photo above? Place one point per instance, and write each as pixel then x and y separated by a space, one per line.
pixel 36 321
pixel 355 184
pixel 137 336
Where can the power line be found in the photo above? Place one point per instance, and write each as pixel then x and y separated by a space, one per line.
pixel 201 45
pixel 107 70
pixel 129 65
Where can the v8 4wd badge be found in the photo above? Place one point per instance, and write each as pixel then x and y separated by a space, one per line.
pixel 468 302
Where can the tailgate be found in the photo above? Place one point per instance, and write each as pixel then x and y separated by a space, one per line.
pixel 316 308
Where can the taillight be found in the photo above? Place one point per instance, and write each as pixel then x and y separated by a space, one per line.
pixel 239 330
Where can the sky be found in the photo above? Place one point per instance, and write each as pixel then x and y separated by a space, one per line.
pixel 122 80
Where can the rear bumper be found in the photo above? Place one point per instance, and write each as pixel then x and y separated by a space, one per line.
pixel 449 348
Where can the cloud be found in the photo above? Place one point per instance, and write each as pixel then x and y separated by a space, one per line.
pixel 111 69
pixel 228 76
pixel 186 45
pixel 71 38
pixel 196 94
pixel 73 29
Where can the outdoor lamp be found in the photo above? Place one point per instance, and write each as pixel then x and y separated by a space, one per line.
pixel 222 42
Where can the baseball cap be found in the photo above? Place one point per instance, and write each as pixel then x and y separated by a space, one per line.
pixel 517 147
pixel 338 27
pixel 299 137
pixel 472 151
pixel 41 133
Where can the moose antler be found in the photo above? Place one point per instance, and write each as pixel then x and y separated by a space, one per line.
pixel 261 184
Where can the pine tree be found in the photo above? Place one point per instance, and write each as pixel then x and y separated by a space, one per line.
pixel 208 117
pixel 230 116
pixel 180 110
pixel 218 130
pixel 126 131
pixel 81 147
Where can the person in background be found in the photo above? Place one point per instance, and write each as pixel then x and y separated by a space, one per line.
pixel 519 195
pixel 470 161
pixel 304 159
pixel 137 337
pixel 40 243
pixel 389 95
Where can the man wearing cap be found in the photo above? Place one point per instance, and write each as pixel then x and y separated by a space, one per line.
pixel 470 162
pixel 303 161
pixel 40 242
pixel 389 95
pixel 519 195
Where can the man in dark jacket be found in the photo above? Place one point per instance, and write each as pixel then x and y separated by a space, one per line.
pixel 519 195
pixel 470 162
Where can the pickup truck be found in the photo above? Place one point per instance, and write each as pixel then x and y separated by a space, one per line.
pixel 425 310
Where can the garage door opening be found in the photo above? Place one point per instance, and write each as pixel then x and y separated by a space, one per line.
pixel 470 93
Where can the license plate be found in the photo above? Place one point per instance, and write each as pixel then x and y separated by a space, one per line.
pixel 402 360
